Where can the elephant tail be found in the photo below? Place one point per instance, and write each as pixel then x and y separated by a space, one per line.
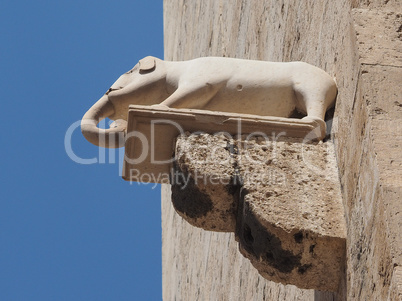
pixel 110 138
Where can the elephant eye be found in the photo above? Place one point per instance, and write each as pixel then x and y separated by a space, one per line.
pixel 110 90
pixel 113 89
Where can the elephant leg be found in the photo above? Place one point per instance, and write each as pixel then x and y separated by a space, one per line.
pixel 191 97
pixel 315 97
pixel 314 104
pixel 312 100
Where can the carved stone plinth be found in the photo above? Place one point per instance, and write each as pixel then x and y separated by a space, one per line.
pixel 281 197
pixel 152 130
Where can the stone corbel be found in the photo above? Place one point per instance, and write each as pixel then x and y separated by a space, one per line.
pixel 277 188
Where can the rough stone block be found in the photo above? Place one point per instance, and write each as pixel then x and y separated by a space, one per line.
pixel 281 195
pixel 201 161
pixel 379 36
pixel 290 220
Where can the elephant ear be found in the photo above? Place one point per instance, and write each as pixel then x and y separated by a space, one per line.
pixel 147 64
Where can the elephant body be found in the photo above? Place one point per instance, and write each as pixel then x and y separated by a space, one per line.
pixel 216 84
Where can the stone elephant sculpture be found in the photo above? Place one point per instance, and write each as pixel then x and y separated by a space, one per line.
pixel 212 83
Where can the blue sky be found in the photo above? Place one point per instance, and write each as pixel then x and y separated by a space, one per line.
pixel 71 231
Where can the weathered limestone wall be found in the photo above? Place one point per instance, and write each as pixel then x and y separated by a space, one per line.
pixel 359 43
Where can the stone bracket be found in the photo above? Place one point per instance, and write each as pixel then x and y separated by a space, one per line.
pixel 267 179
pixel 281 198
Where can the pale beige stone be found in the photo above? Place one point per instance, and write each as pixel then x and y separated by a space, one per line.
pixel 379 36
pixel 281 195
pixel 395 290
pixel 215 84
pixel 152 131
pixel 370 161
pixel 206 265
pixel 202 186
pixel 196 262
pixel 293 228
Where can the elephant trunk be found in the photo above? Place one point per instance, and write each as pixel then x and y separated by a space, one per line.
pixel 110 138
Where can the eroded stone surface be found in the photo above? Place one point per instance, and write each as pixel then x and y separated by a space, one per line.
pixel 202 160
pixel 368 152
pixel 206 265
pixel 281 194
pixel 395 292
pixel 291 224
pixel 294 183
pixel 379 44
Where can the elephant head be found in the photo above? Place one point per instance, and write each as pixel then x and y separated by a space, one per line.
pixel 144 85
